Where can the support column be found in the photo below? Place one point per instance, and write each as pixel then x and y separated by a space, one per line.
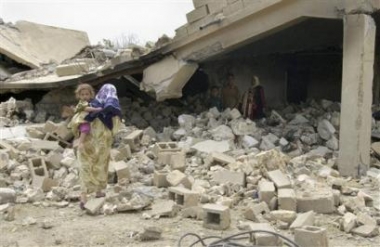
pixel 355 119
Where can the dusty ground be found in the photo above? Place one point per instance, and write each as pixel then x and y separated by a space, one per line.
pixel 71 227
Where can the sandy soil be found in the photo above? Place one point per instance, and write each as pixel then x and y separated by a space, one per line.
pixel 72 227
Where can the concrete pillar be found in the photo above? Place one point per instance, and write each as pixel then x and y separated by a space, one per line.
pixel 358 63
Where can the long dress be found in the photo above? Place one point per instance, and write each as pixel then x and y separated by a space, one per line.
pixel 253 103
pixel 78 118
pixel 94 157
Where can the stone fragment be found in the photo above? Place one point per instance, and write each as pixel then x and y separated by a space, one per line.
pixel 216 217
pixel 266 191
pixel 164 209
pixel 225 176
pixel 7 195
pixel 216 158
pixel 262 238
pixel 365 219
pixel 133 139
pixel 319 201
pixel 279 179
pixel 210 146
pixel 255 212
pixel 93 206
pixel 303 219
pixel 194 212
pixel 284 215
pixel 348 222
pixel 366 231
pixel 150 233
pixel 287 199
pixel 159 179
pixel 176 177
pixel 325 129
pixel 122 171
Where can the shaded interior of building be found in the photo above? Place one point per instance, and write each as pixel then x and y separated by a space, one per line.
pixel 299 62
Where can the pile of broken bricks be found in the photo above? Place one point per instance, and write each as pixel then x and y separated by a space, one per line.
pixel 277 174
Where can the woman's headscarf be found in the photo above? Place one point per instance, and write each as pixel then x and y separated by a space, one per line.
pixel 107 99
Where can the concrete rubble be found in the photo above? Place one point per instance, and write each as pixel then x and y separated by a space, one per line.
pixel 278 173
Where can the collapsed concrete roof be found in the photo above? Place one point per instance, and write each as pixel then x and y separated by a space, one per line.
pixel 34 44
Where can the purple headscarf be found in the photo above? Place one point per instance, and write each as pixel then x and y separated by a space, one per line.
pixel 107 99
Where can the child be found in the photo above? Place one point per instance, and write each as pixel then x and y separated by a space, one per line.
pixel 215 100
pixel 80 127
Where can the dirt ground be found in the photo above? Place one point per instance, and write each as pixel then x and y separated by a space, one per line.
pixel 72 227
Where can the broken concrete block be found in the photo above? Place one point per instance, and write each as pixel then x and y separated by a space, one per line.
pixel 133 139
pixel 52 139
pixel 216 217
pixel 266 191
pixel 50 127
pixel 225 176
pixel 271 160
pixel 178 161
pixel 183 197
pixel 93 206
pixel 348 222
pixel 63 132
pixel 263 239
pixel 279 179
pixel 77 68
pixel 122 171
pixel 255 212
pixel 320 201
pixel 44 183
pixel 194 212
pixel 150 233
pixel 210 146
pixel 365 219
pixel 176 177
pixel 303 219
pixel 284 215
pixel 287 199
pixel 325 129
pixel 35 133
pixel 366 231
pixel 159 179
pixel 221 159
pixel 12 152
pixel 7 195
pixel 164 209
pixel 53 160
pixel 311 236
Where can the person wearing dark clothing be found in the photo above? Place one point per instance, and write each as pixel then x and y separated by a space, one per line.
pixel 253 101
pixel 215 100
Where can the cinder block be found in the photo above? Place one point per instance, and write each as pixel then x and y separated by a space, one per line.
pixel 50 127
pixel 216 217
pixel 37 167
pixel 122 153
pixel 71 69
pixel 225 176
pixel 311 236
pixel 122 171
pixel 162 147
pixel 54 138
pixel 133 139
pixel 183 197
pixel 178 161
pixel 287 199
pixel 44 183
pixel 279 179
pixel 197 14
pixel 159 179
pixel 263 239
pixel 12 152
pixel 63 132
pixel 304 219
pixel 320 201
pixel 266 191
pixel 93 206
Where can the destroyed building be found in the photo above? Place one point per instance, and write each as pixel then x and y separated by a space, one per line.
pixel 327 51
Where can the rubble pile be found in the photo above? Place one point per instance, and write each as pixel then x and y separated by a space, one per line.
pixel 277 173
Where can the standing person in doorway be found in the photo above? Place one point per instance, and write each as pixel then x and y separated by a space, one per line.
pixel 94 157
pixel 253 101
pixel 230 93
